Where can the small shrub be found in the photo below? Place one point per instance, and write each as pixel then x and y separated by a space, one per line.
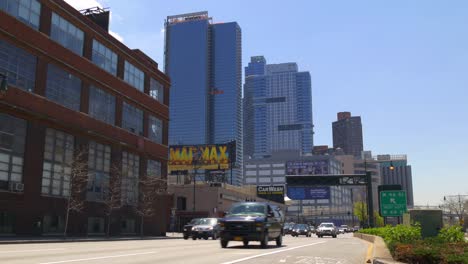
pixel 457 259
pixel 451 234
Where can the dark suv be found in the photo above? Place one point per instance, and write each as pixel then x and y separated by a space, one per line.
pixel 188 227
pixel 252 221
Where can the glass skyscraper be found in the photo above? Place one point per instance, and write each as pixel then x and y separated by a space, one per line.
pixel 204 63
pixel 277 109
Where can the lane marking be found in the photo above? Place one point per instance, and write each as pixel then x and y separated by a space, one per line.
pixel 31 250
pixel 370 251
pixel 271 253
pixel 105 257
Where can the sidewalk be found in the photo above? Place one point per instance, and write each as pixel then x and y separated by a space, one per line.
pixel 54 239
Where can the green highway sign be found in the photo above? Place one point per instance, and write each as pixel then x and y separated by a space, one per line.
pixel 392 203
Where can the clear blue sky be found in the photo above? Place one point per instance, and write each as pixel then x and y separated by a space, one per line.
pixel 401 65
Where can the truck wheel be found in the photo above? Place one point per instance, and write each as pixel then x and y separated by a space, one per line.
pixel 264 242
pixel 194 238
pixel 279 241
pixel 205 237
pixel 246 243
pixel 224 243
pixel 185 237
pixel 334 236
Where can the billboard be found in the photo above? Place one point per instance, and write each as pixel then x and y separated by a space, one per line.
pixel 308 193
pixel 273 193
pixel 208 157
pixel 307 167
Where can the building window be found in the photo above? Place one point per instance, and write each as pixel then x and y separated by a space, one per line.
pixel 7 222
pixel 155 129
pixel 53 224
pixel 104 57
pixel 99 157
pixel 67 34
pixel 27 11
pixel 63 87
pixel 12 141
pixel 58 157
pixel 96 225
pixel 128 226
pixel 153 169
pixel 157 90
pixel 102 105
pixel 132 119
pixel 130 176
pixel 134 76
pixel 181 203
pixel 18 65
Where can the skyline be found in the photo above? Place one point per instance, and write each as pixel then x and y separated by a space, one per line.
pixel 380 61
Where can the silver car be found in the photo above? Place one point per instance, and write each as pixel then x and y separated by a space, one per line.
pixel 327 229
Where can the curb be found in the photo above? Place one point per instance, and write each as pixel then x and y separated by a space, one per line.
pixel 68 240
pixel 380 254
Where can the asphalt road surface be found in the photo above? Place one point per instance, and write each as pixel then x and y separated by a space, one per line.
pixel 303 250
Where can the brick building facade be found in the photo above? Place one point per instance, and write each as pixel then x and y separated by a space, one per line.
pixel 71 86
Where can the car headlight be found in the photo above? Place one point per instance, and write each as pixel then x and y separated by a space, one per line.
pixel 210 228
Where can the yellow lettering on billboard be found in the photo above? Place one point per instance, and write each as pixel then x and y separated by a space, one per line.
pixel 222 153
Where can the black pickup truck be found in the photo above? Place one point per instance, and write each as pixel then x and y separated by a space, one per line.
pixel 252 221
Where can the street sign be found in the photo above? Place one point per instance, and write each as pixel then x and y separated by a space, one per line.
pixel 392 203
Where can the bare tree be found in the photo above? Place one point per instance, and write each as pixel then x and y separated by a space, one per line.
pixel 78 181
pixel 456 205
pixel 113 193
pixel 151 187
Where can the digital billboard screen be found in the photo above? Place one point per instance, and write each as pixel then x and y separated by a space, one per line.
pixel 303 167
pixel 308 193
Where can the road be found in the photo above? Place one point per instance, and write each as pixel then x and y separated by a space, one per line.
pixel 304 250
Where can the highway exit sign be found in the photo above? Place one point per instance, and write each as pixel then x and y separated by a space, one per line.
pixel 392 203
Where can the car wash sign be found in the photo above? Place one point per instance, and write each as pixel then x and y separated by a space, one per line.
pixel 273 193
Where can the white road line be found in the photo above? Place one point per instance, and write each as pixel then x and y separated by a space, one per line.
pixel 271 253
pixel 30 250
pixel 105 257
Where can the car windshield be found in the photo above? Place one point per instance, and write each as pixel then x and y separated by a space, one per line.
pixel 247 209
pixel 326 225
pixel 207 221
pixel 300 226
pixel 194 221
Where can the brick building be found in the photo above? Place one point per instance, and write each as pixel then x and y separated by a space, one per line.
pixel 72 86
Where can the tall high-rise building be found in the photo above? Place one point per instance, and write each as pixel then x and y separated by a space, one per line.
pixel 277 109
pixel 347 134
pixel 203 60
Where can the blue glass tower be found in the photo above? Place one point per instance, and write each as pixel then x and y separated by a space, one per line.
pixel 277 109
pixel 204 63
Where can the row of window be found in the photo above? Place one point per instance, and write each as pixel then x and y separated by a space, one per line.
pixel 58 160
pixel 65 89
pixel 71 37
pixel 59 151
pixel 55 224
